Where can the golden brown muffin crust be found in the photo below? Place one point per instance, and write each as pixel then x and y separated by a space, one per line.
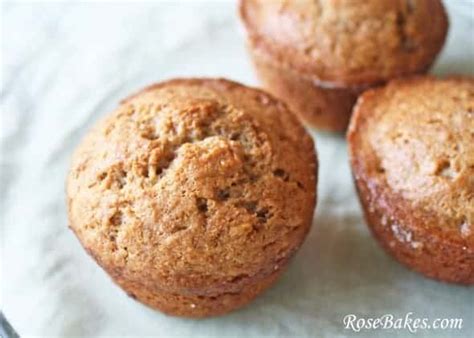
pixel 324 108
pixel 412 153
pixel 421 139
pixel 194 186
pixel 347 42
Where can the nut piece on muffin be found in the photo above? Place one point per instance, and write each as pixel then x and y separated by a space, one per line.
pixel 194 194
pixel 412 154
pixel 319 55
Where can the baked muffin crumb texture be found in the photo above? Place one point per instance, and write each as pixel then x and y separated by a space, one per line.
pixel 347 42
pixel 184 190
pixel 412 152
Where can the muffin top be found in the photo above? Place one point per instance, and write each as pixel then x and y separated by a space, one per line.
pixel 413 143
pixel 194 183
pixel 347 42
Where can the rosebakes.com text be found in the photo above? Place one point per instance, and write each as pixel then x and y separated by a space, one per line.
pixel 409 322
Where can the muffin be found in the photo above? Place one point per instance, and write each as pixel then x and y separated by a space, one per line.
pixel 194 194
pixel 318 56
pixel 412 153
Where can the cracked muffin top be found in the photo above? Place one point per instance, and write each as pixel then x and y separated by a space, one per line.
pixel 194 183
pixel 413 143
pixel 347 42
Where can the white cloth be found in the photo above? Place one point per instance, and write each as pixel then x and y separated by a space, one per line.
pixel 64 65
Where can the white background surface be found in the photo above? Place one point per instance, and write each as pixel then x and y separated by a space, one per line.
pixel 64 65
